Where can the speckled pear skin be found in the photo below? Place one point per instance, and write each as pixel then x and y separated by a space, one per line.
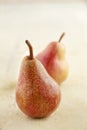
pixel 53 58
pixel 37 94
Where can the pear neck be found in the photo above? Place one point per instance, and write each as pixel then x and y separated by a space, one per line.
pixel 61 57
pixel 31 57
pixel 61 54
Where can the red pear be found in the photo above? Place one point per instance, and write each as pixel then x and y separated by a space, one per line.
pixel 53 57
pixel 37 93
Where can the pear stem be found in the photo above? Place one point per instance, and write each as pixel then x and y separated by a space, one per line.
pixel 30 49
pixel 61 37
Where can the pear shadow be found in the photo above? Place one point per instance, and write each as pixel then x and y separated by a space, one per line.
pixel 37 118
pixel 17 119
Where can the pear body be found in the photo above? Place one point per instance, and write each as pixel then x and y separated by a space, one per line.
pixel 37 94
pixel 53 59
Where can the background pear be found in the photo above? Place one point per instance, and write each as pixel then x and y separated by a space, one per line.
pixel 53 57
pixel 37 93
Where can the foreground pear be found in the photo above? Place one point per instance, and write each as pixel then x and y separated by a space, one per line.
pixel 53 57
pixel 37 93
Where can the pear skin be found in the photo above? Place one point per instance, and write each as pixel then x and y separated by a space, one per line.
pixel 53 58
pixel 37 93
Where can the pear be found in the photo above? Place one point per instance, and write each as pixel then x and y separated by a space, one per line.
pixel 37 93
pixel 53 58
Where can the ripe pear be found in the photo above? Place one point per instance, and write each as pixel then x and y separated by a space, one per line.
pixel 37 93
pixel 53 58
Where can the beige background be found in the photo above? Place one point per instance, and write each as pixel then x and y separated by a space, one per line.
pixel 36 1
pixel 42 23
